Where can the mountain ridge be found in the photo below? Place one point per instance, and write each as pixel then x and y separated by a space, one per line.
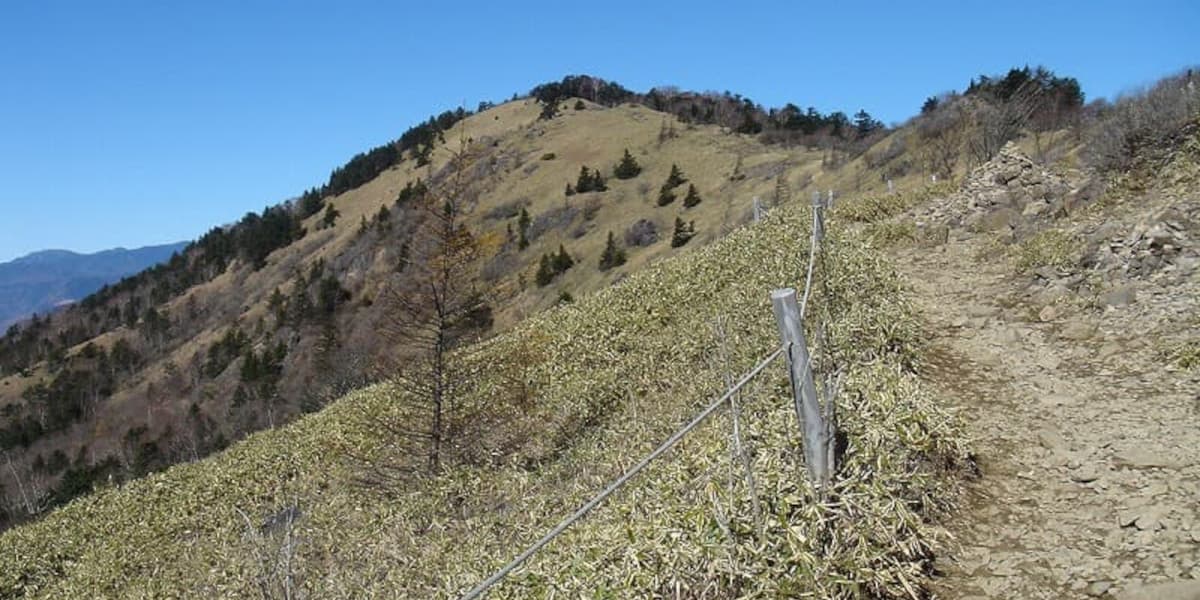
pixel 47 279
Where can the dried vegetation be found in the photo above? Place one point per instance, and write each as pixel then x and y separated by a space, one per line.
pixel 573 396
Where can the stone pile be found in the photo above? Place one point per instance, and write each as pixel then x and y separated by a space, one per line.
pixel 1009 191
pixel 1167 242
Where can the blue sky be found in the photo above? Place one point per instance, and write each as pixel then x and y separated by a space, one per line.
pixel 131 123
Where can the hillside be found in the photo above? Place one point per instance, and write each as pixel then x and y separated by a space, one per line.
pixel 258 322
pixel 605 379
pixel 43 281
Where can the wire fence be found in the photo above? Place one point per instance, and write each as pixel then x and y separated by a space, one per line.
pixel 817 419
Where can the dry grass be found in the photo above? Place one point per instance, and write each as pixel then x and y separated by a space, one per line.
pixel 617 371
pixel 876 207
pixel 1049 248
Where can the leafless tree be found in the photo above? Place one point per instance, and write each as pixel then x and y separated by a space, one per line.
pixel 433 306
pixel 943 134
pixel 999 121
pixel 33 491
pixel 1116 135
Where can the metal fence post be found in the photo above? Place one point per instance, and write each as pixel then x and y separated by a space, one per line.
pixel 804 390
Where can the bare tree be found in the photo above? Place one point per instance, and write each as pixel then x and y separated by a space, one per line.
pixel 943 133
pixel 999 120
pixel 433 306
pixel 33 491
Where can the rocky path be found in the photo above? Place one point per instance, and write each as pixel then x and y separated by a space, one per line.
pixel 1088 441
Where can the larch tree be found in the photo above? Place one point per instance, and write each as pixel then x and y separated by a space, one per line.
pixel 433 307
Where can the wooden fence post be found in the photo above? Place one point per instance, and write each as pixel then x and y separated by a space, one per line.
pixel 758 211
pixel 819 216
pixel 817 446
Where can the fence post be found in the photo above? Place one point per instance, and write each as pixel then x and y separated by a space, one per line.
pixel 757 210
pixel 804 391
pixel 818 216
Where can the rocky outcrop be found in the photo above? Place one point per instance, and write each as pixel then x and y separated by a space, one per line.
pixel 1165 242
pixel 1009 192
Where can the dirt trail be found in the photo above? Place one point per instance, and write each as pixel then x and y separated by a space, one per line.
pixel 1088 443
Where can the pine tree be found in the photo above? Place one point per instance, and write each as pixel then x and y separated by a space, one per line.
pixel 665 195
pixel 331 215
pixel 676 177
pixel 585 183
pixel 383 218
pixel 570 190
pixel 562 261
pixel 545 272
pixel 598 184
pixel 613 256
pixel 683 232
pixel 692 198
pixel 522 227
pixel 628 168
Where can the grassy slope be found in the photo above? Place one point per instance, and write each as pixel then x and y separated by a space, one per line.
pixel 613 374
pixel 595 137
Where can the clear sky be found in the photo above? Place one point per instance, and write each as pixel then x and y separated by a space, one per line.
pixel 127 123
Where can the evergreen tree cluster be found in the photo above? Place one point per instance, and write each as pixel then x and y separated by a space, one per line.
pixel 666 193
pixel 552 265
pixel 53 406
pixel 1017 81
pixel 613 255
pixel 627 168
pixel 260 373
pixel 314 298
pixel 597 90
pixel 412 190
pixel 383 218
pixel 588 181
pixel 683 232
pixel 231 345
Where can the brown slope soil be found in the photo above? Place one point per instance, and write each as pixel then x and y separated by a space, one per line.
pixel 1083 412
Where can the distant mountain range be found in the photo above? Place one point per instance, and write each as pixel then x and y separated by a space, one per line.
pixel 41 281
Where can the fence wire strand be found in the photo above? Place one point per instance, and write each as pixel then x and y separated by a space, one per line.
pixel 562 526
pixel 617 484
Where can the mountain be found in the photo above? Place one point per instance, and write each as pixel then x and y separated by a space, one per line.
pixel 45 280
pixel 383 386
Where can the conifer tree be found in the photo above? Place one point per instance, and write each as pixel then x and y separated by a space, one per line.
pixel 433 307
pixel 683 232
pixel 692 198
pixel 562 261
pixel 331 215
pixel 545 272
pixel 584 183
pixel 383 218
pixel 613 255
pixel 628 168
pixel 665 195
pixel 523 227
pixel 676 177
